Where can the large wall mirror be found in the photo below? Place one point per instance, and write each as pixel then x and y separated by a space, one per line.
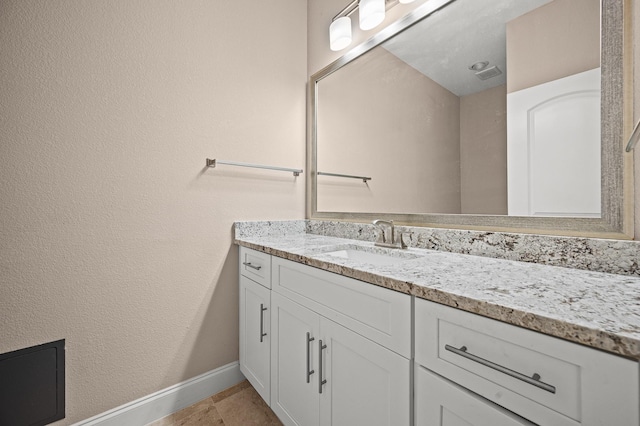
pixel 487 114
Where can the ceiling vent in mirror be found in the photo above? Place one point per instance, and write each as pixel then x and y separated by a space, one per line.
pixel 488 73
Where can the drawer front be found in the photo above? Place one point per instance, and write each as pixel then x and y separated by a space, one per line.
pixel 439 402
pixel 544 379
pixel 376 313
pixel 256 266
pixel 558 387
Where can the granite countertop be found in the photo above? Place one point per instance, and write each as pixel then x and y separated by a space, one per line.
pixel 596 309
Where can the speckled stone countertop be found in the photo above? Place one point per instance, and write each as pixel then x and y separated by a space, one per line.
pixel 596 309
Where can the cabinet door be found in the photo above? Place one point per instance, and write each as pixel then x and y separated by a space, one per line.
pixel 294 385
pixel 367 384
pixel 439 402
pixel 255 336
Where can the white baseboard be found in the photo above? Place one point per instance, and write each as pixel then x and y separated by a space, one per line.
pixel 167 401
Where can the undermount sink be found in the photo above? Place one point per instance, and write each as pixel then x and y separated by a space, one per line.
pixel 372 255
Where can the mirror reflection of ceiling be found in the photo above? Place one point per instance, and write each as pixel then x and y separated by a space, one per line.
pixel 478 35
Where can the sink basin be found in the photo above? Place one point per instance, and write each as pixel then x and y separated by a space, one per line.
pixel 371 255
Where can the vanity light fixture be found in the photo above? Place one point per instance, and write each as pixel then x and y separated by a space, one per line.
pixel 371 14
pixel 340 33
pixel 340 28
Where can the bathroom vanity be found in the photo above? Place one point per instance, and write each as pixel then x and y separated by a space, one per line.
pixel 323 348
pixel 337 331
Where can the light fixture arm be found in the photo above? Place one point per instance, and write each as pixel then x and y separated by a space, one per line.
pixel 348 10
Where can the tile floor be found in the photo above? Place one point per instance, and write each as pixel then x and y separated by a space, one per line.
pixel 237 406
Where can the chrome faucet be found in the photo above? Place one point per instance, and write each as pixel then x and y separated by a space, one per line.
pixel 388 239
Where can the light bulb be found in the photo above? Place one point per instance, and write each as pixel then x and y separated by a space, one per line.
pixel 340 33
pixel 371 13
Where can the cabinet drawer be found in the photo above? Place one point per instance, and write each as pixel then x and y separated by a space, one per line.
pixel 256 266
pixel 376 313
pixel 441 402
pixel 576 384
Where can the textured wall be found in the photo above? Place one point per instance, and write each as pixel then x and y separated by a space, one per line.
pixel 483 152
pixel 556 40
pixel 111 234
pixel 381 118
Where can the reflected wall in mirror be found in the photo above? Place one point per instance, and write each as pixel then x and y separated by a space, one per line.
pixel 483 107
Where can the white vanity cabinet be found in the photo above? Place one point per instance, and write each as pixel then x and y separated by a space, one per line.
pixel 493 367
pixel 325 349
pixel 340 349
pixel 255 320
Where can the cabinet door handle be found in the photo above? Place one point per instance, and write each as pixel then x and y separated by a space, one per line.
pixel 534 380
pixel 262 333
pixel 257 268
pixel 321 381
pixel 309 371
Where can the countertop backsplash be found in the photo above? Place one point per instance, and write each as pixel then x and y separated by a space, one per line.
pixel 591 254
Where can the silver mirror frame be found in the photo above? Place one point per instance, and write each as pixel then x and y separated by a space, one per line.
pixel 616 112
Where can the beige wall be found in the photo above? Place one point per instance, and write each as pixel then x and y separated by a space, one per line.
pixel 483 152
pixel 556 40
pixel 381 118
pixel 112 235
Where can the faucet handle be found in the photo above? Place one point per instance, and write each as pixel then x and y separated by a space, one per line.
pixel 382 226
pixel 401 238
pixel 382 235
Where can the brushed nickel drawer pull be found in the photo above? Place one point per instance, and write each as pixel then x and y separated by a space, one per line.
pixel 535 380
pixel 262 333
pixel 309 370
pixel 321 381
pixel 257 268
